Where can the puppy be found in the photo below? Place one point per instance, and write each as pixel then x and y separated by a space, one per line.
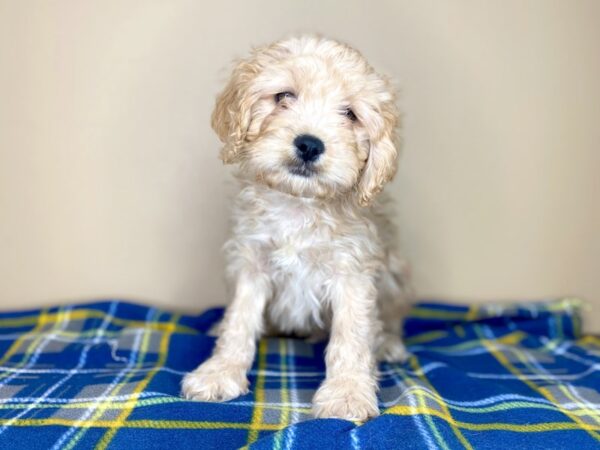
pixel 313 131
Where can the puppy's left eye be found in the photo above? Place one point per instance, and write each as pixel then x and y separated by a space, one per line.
pixel 350 115
pixel 281 96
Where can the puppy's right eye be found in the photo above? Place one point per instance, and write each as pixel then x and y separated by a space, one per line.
pixel 281 96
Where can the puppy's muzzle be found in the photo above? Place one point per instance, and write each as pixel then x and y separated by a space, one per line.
pixel 308 148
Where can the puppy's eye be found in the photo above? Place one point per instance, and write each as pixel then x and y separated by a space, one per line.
pixel 281 96
pixel 350 115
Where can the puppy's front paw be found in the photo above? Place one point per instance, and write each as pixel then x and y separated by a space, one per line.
pixel 346 398
pixel 214 382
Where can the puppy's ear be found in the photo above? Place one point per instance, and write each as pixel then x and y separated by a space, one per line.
pixel 232 114
pixel 381 163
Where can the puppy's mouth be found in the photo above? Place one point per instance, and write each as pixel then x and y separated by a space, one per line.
pixel 305 170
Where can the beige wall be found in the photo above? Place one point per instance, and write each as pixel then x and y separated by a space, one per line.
pixel 109 178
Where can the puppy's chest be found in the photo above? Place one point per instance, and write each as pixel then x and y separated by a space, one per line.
pixel 301 259
pixel 302 247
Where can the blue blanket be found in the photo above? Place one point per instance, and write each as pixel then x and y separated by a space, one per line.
pixel 107 375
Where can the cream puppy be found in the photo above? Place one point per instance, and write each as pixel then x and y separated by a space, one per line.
pixel 313 130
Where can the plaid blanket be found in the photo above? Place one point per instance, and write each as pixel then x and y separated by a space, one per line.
pixel 107 375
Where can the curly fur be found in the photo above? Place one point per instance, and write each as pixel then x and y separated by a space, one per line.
pixel 310 254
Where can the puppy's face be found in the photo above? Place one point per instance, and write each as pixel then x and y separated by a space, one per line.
pixel 308 116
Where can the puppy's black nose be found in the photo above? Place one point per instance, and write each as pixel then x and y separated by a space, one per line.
pixel 308 147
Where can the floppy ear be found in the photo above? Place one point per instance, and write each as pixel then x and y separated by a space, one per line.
pixel 381 163
pixel 232 114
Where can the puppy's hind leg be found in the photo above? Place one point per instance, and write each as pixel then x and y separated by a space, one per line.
pixel 390 348
pixel 395 295
pixel 223 376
